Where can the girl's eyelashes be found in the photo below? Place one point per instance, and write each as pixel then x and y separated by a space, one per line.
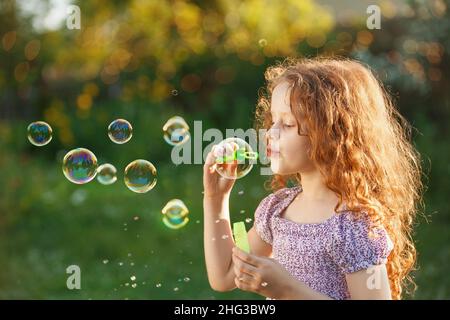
pixel 287 125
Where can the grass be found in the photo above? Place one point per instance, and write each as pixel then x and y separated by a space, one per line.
pixel 112 234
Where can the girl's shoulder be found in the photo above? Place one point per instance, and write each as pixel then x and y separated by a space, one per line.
pixel 267 209
pixel 357 242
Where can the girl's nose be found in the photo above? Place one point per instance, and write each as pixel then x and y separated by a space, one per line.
pixel 273 133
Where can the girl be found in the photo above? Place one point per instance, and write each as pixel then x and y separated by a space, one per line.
pixel 344 230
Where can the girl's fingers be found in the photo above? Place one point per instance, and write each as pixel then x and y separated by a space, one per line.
pixel 247 258
pixel 244 284
pixel 231 168
pixel 245 278
pixel 210 163
pixel 241 267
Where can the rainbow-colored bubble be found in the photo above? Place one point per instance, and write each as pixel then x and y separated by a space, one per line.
pixel 140 176
pixel 234 158
pixel 80 165
pixel 120 131
pixel 39 133
pixel 176 131
pixel 106 174
pixel 175 214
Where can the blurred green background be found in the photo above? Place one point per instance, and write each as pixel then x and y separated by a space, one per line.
pixel 147 61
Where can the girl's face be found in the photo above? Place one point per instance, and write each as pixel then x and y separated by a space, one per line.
pixel 287 150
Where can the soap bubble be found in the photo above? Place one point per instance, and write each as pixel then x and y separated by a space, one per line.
pixel 175 214
pixel 39 133
pixel 120 131
pixel 140 176
pixel 234 158
pixel 175 208
pixel 176 131
pixel 80 165
pixel 106 174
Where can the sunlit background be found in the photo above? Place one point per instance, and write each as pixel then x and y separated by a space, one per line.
pixel 147 61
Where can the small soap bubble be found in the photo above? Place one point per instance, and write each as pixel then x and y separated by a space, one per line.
pixel 262 42
pixel 248 220
pixel 140 176
pixel 241 192
pixel 234 158
pixel 39 133
pixel 175 289
pixel 176 131
pixel 175 214
pixel 136 218
pixel 174 92
pixel 127 284
pixel 186 279
pixel 120 131
pixel 264 284
pixel 134 285
pixel 158 285
pixel 106 174
pixel 242 211
pixel 120 263
pixel 133 278
pixel 225 236
pixel 80 165
pixel 105 261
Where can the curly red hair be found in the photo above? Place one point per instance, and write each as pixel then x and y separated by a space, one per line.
pixel 360 143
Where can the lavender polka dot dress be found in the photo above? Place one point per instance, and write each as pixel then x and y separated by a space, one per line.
pixel 320 254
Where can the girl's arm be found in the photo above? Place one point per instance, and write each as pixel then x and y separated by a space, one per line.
pixel 218 243
pixel 218 239
pixel 369 284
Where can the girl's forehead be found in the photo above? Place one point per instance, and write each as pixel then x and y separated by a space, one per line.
pixel 280 102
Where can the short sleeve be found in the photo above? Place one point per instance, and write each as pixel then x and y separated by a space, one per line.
pixel 263 215
pixel 356 248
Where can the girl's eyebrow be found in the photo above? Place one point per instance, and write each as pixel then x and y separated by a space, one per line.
pixel 281 113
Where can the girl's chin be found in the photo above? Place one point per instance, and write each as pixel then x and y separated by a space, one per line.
pixel 277 168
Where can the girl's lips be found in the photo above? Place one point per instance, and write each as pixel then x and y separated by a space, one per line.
pixel 271 153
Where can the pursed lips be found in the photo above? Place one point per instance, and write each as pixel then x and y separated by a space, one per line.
pixel 272 152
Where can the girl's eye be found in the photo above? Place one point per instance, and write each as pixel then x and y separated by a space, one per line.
pixel 289 125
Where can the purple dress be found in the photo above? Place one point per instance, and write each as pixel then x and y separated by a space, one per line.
pixel 320 254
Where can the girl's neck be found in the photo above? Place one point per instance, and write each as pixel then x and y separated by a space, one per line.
pixel 314 188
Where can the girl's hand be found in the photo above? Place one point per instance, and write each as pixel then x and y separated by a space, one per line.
pixel 263 275
pixel 213 183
